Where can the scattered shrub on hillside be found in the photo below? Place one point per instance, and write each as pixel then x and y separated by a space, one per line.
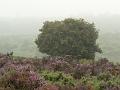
pixel 58 78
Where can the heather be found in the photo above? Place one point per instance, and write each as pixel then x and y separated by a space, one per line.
pixel 57 73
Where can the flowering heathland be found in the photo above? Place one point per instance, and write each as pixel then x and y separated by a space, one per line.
pixel 58 73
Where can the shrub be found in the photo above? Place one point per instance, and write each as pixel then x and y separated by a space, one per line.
pixel 21 77
pixel 58 78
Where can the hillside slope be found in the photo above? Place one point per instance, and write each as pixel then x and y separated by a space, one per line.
pixel 23 45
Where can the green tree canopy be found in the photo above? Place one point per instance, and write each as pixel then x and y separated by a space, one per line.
pixel 74 37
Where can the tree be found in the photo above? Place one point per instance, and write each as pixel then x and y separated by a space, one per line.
pixel 74 37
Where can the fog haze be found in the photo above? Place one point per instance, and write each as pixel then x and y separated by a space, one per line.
pixel 20 21
pixel 104 23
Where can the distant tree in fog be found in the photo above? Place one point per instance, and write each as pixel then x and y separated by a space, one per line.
pixel 74 37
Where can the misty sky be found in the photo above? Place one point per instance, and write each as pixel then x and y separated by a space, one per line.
pixel 27 16
pixel 57 8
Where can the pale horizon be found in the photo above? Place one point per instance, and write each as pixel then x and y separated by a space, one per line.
pixel 58 8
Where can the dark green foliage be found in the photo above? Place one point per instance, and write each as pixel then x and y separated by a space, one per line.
pixel 58 78
pixel 69 37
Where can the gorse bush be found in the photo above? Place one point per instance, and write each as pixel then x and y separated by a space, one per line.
pixel 58 78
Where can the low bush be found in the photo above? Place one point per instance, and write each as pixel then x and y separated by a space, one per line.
pixel 58 78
